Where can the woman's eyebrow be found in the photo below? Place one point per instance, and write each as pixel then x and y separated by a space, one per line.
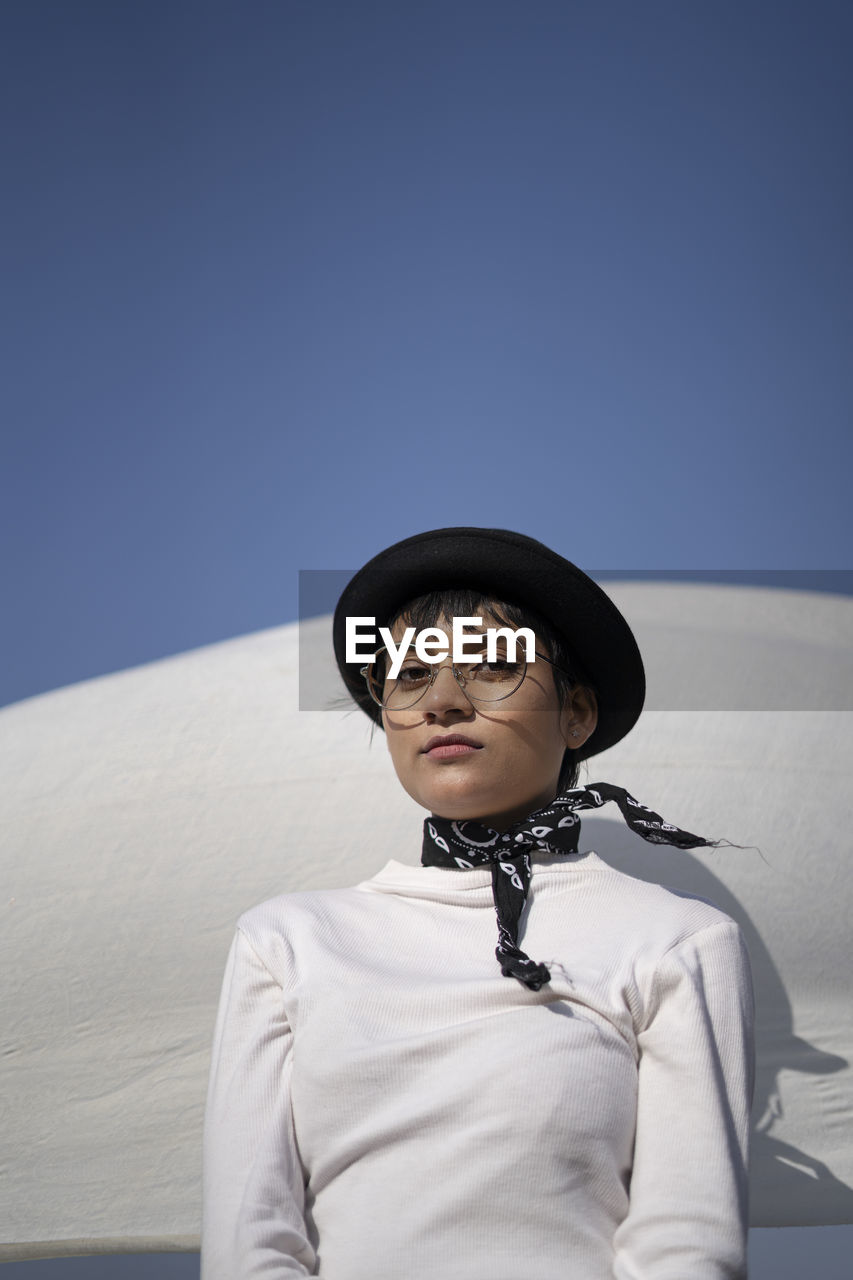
pixel 500 645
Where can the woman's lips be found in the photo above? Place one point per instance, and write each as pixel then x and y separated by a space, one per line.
pixel 452 744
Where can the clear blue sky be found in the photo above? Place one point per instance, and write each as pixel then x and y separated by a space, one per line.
pixel 286 281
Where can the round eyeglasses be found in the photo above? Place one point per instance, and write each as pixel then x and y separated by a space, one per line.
pixel 479 680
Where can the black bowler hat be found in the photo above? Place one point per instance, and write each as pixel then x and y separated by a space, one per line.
pixel 512 567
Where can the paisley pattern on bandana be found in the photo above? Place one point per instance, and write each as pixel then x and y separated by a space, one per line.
pixel 554 830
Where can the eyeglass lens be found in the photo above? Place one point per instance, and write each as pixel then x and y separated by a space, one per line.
pixel 481 681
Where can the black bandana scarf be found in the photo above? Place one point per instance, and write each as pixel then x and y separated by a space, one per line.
pixel 554 829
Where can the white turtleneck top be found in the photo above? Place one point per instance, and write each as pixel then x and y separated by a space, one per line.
pixel 385 1105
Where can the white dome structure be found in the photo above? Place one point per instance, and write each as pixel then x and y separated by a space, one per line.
pixel 144 811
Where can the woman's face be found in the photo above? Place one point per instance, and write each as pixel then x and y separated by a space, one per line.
pixel 509 762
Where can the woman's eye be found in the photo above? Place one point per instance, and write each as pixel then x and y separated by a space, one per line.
pixel 499 667
pixel 413 674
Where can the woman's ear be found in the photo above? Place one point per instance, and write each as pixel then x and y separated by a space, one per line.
pixel 580 716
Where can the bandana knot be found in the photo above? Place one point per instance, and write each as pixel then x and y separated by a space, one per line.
pixel 552 830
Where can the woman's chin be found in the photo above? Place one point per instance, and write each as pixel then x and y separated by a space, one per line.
pixel 491 811
pixel 457 806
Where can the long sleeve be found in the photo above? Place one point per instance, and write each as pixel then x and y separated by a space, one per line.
pixel 253 1220
pixel 688 1196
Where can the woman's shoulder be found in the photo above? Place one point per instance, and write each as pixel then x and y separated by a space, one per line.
pixel 301 914
pixel 656 936
pixel 275 911
pixel 670 915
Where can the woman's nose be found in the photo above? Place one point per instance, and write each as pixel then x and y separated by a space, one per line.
pixel 445 694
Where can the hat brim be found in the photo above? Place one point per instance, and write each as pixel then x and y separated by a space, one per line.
pixel 518 569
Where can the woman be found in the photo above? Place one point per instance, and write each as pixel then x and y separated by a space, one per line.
pixel 391 1097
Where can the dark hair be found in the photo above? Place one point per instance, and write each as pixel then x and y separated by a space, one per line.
pixel 427 610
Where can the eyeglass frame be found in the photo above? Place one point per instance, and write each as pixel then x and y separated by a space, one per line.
pixel 437 666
